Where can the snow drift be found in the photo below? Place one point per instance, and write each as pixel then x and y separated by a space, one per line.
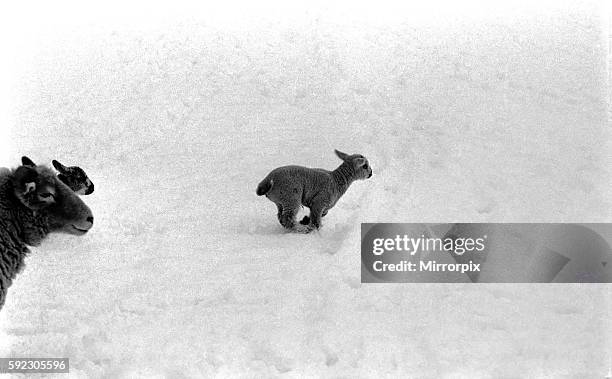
pixel 187 272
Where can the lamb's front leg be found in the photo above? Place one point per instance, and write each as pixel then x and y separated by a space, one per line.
pixel 287 216
pixel 279 214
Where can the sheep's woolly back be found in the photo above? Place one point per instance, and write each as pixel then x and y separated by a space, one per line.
pixel 12 248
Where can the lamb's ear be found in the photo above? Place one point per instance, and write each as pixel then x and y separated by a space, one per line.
pixel 27 161
pixel 359 161
pixel 341 155
pixel 59 167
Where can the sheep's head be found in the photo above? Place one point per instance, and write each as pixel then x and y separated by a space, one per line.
pixel 75 178
pixel 359 164
pixel 48 199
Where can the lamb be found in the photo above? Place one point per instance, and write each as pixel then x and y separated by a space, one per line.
pixel 73 176
pixel 34 203
pixel 290 187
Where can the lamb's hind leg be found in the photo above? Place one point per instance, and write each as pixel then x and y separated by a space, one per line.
pixel 286 216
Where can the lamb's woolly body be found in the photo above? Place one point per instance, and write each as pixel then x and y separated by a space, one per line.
pixel 311 183
pixel 290 187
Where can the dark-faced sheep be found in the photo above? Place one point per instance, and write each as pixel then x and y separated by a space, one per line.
pixel 290 187
pixel 73 176
pixel 34 203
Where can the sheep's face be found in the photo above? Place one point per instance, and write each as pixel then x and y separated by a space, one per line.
pixel 48 199
pixel 75 178
pixel 359 163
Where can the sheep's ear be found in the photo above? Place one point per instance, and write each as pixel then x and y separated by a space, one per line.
pixel 341 155
pixel 24 179
pixel 29 187
pixel 27 161
pixel 59 167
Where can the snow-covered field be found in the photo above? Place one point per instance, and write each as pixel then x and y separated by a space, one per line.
pixel 187 273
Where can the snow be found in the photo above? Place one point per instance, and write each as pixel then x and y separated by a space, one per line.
pixel 187 273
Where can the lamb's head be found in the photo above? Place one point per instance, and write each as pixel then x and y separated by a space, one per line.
pixel 49 203
pixel 358 163
pixel 75 178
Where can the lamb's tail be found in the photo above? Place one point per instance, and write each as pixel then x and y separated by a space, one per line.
pixel 264 187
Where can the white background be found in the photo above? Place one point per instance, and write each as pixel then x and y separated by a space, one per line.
pixel 474 112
